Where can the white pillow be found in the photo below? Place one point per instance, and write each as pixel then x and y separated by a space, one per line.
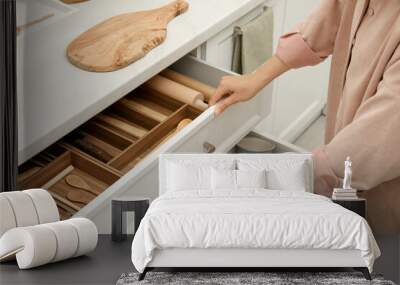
pixel 282 174
pixel 223 179
pixel 291 179
pixel 185 178
pixel 237 179
pixel 186 174
pixel 251 178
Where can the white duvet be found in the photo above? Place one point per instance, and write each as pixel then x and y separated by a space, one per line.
pixel 251 218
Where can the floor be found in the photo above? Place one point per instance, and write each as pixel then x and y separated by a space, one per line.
pixel 313 136
pixel 103 266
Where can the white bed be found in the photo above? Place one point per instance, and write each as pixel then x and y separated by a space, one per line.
pixel 248 227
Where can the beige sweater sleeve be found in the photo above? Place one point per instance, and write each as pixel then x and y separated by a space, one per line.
pixel 313 40
pixel 372 139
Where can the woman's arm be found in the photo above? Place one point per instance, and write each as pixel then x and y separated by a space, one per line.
pixel 308 44
pixel 242 88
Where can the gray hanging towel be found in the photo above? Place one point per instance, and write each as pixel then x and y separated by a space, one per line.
pixel 252 44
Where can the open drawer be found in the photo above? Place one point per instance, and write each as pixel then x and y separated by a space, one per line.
pixel 116 152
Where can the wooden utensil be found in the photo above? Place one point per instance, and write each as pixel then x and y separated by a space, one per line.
pixel 58 177
pixel 204 89
pixel 78 182
pixel 183 123
pixel 92 150
pixel 167 87
pixel 143 110
pixel 34 22
pixel 36 160
pixel 121 125
pixel 49 154
pixel 100 142
pixel 123 39
pixel 28 173
pixel 66 208
pixel 80 196
pixel 45 157
pixel 64 201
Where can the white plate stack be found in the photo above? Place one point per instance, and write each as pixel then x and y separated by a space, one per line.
pixel 344 194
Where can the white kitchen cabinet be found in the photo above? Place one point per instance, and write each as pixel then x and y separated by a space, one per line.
pixel 218 50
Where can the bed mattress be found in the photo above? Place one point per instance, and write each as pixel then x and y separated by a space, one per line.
pixel 251 219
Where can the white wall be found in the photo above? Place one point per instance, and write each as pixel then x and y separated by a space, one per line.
pixel 299 95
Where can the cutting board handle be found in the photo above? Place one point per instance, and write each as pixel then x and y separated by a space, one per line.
pixel 180 6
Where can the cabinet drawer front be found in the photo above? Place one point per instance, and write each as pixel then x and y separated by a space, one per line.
pixel 206 133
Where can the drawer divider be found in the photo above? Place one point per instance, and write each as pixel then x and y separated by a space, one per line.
pixel 133 154
pixel 46 173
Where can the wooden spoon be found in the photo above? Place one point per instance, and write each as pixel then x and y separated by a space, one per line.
pixel 183 124
pixel 93 150
pixel 78 182
pixel 80 196
pixel 64 201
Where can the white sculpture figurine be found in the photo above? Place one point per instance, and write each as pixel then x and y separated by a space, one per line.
pixel 347 174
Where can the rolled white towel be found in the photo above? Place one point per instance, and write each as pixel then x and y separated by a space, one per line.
pixel 23 208
pixel 45 205
pixel 87 235
pixel 7 218
pixel 33 246
pixel 67 240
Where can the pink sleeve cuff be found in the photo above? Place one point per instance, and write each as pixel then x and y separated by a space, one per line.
pixel 295 52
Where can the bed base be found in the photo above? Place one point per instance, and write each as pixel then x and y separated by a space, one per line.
pixel 242 259
pixel 363 270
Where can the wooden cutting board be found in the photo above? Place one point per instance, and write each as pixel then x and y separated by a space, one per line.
pixel 123 39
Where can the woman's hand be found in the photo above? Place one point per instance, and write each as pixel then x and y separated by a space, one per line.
pixel 233 89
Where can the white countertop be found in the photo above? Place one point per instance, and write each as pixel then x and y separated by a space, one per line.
pixel 54 97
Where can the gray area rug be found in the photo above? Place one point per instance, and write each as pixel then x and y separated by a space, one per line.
pixel 269 278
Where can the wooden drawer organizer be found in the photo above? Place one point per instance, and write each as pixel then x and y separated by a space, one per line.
pixel 88 160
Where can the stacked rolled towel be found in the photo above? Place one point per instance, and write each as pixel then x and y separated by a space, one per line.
pixel 31 232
